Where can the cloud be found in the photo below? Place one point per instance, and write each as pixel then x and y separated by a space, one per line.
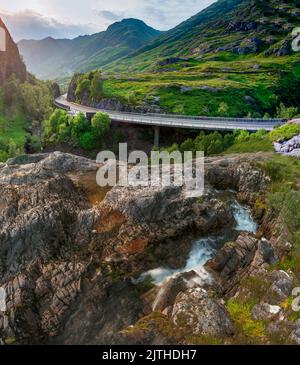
pixel 159 14
pixel 169 13
pixel 28 24
pixel 70 18
pixel 111 16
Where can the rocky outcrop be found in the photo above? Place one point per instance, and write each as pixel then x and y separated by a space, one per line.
pixel 238 26
pixel 10 60
pixel 201 314
pixel 251 45
pixel 149 105
pixel 290 147
pixel 240 258
pixel 171 61
pixel 284 49
pixel 69 250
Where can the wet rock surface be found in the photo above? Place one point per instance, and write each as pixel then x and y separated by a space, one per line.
pixel 69 250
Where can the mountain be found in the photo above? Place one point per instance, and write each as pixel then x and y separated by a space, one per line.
pixel 233 59
pixel 240 27
pixel 10 60
pixel 50 58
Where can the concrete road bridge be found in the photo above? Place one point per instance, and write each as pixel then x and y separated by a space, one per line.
pixel 174 121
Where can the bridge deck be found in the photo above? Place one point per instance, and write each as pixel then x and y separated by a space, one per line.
pixel 176 121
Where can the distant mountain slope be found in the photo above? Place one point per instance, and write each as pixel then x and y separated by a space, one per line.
pixel 189 28
pixel 10 60
pixel 238 26
pixel 51 58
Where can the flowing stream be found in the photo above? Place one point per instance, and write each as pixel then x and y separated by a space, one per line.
pixel 205 248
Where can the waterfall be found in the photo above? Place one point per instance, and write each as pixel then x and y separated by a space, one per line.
pixel 243 217
pixel 205 248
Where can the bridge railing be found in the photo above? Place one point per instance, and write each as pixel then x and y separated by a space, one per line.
pixel 247 120
pixel 61 105
pixel 175 119
pixel 204 124
pixel 189 117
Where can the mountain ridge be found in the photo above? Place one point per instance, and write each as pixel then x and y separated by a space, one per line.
pixel 49 57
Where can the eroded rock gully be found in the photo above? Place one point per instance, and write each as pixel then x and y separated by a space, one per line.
pixel 69 251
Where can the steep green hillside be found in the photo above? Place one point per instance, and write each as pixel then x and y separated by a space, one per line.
pixel 23 108
pixel 240 27
pixel 24 103
pixel 238 87
pixel 51 58
pixel 232 59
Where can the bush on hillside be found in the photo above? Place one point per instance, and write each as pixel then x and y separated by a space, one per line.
pixel 215 143
pixel 62 127
pixel 286 112
pixel 285 132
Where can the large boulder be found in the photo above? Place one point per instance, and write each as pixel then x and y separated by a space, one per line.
pixel 202 315
pixel 236 260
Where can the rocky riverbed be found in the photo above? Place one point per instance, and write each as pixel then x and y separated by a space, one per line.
pixel 72 254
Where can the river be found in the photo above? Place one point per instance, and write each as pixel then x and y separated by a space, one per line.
pixel 203 249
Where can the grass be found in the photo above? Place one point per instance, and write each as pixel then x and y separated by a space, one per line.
pixel 13 129
pixel 293 316
pixel 228 78
pixel 263 145
pixel 285 132
pixel 209 86
pixel 284 201
pixel 249 330
pixel 10 127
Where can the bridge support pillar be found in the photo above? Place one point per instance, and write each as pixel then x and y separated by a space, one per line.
pixel 156 136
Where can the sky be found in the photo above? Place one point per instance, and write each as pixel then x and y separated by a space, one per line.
pixel 37 19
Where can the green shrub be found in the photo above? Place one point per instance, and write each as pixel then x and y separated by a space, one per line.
pixel 57 118
pixel 242 136
pixel 96 86
pixel 228 140
pixel 83 88
pixel 187 145
pixel 64 131
pixel 285 132
pixel 34 143
pixel 62 127
pixel 13 150
pixel 223 108
pixel 79 125
pixel 3 156
pixel 87 141
pixel 101 124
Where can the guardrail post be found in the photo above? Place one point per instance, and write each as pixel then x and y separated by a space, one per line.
pixel 156 136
